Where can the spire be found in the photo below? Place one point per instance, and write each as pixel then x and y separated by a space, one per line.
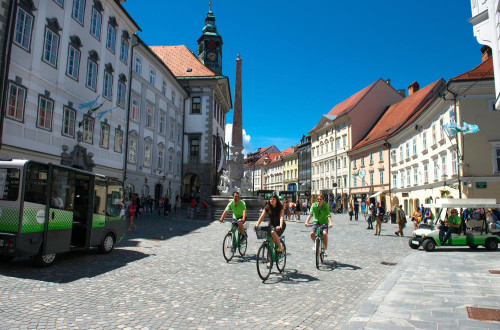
pixel 210 27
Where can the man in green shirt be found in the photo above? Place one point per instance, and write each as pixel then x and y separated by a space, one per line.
pixel 452 225
pixel 321 218
pixel 239 213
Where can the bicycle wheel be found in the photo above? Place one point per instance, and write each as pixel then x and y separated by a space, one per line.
pixel 318 251
pixel 281 259
pixel 322 252
pixel 264 261
pixel 243 246
pixel 227 247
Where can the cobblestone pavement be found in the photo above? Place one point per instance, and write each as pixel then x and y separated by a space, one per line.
pixel 170 273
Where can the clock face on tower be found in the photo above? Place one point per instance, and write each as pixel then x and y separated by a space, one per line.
pixel 212 56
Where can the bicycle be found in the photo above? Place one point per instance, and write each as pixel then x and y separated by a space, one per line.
pixel 268 253
pixel 232 242
pixel 319 245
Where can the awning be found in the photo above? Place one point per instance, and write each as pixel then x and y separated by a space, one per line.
pixel 377 193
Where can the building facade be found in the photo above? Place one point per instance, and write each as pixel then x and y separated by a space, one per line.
pixel 66 96
pixel 254 162
pixel 155 130
pixel 208 102
pixel 291 169
pixel 304 168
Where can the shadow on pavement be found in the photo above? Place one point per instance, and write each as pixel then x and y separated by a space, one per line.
pixel 71 266
pixel 332 265
pixel 290 276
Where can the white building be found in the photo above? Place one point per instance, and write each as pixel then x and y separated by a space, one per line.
pixel 272 172
pixel 63 54
pixel 155 132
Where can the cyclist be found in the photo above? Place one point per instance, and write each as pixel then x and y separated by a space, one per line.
pixel 277 224
pixel 321 216
pixel 239 209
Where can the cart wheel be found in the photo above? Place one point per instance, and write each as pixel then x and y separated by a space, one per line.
pixel 491 244
pixel 413 246
pixel 45 260
pixel 107 244
pixel 429 245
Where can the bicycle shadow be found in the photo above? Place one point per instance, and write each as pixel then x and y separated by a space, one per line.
pixel 332 265
pixel 290 276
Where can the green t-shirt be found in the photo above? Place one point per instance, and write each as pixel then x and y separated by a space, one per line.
pixel 454 219
pixel 237 210
pixel 320 216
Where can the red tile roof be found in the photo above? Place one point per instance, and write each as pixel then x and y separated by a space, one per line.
pixel 482 71
pixel 350 102
pixel 400 114
pixel 287 151
pixel 182 62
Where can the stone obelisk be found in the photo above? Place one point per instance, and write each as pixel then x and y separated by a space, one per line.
pixel 237 158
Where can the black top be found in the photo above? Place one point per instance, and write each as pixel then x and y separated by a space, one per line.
pixel 274 218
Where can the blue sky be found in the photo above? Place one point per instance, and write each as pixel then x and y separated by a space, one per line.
pixel 300 58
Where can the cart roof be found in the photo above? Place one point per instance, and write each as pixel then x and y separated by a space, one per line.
pixel 471 202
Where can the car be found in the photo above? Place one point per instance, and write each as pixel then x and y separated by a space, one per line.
pixel 474 231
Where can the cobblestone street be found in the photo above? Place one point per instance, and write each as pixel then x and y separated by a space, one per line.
pixel 171 273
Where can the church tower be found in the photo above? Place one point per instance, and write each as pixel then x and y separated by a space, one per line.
pixel 210 44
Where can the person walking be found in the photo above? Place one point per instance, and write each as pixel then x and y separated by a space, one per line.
pixel 177 206
pixel 400 220
pixel 350 211
pixel 356 210
pixel 297 210
pixel 379 216
pixel 370 216
pixel 131 212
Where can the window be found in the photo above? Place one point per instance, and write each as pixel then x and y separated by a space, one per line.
pixel 104 143
pixel 394 180
pixel 149 117
pixel 152 76
pixel 337 142
pixel 78 10
pixel 50 47
pixel 164 88
pixel 163 120
pixel 91 74
pixel 124 50
pixel 111 39
pixel 402 177
pixel 344 141
pixel 353 162
pixel 147 155
pixel 345 162
pixel 414 146
pixel 73 62
pixel 496 158
pixel 454 165
pixel 393 156
pixel 45 108
pixel 443 165
pixel 362 160
pixel 132 150
pixel 408 177
pixel 354 181
pixel 371 179
pixel 381 177
pixel 171 128
pixel 424 140
pixel 96 23
pixel 194 149
pixel 433 134
pixel 441 129
pixel 160 158
pixel 415 175
pixel 401 153
pixel 426 173
pixel 170 162
pixel 88 130
pixel 59 2
pixel 121 94
pixel 24 25
pixel 118 141
pixel 138 65
pixel 108 85
pixel 135 110
pixel 173 96
pixel 380 155
pixel 436 167
pixel 17 97
pixel 407 148
pixel 371 157
pixel 69 117
pixel 196 106
pixel 179 133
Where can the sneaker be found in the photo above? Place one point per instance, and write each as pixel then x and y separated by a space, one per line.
pixel 325 253
pixel 314 248
pixel 396 233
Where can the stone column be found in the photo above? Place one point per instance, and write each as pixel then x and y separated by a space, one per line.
pixel 237 159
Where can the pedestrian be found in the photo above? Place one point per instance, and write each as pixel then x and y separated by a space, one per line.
pixel 160 206
pixel 177 206
pixel 291 209
pixel 286 209
pixel 167 207
pixel 304 207
pixel 379 216
pixel 131 211
pixel 370 216
pixel 428 217
pixel 356 209
pixel 400 220
pixel 350 211
pixel 297 210
pixel 138 206
pixel 416 217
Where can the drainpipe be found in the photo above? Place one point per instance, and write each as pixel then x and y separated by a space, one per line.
pixel 460 157
pixel 4 71
pixel 183 138
pixel 128 110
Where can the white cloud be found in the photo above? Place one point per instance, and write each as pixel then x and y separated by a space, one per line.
pixel 247 145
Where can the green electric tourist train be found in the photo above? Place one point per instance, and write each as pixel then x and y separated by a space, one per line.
pixel 46 209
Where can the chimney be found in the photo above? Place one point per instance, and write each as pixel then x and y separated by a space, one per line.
pixel 388 81
pixel 414 86
pixel 486 51
pixel 402 92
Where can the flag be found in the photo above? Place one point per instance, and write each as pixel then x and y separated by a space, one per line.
pixel 102 113
pixel 361 173
pixel 88 104
pixel 452 129
pixel 469 128
pixel 91 110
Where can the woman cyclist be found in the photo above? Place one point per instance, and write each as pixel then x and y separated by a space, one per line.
pixel 274 210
